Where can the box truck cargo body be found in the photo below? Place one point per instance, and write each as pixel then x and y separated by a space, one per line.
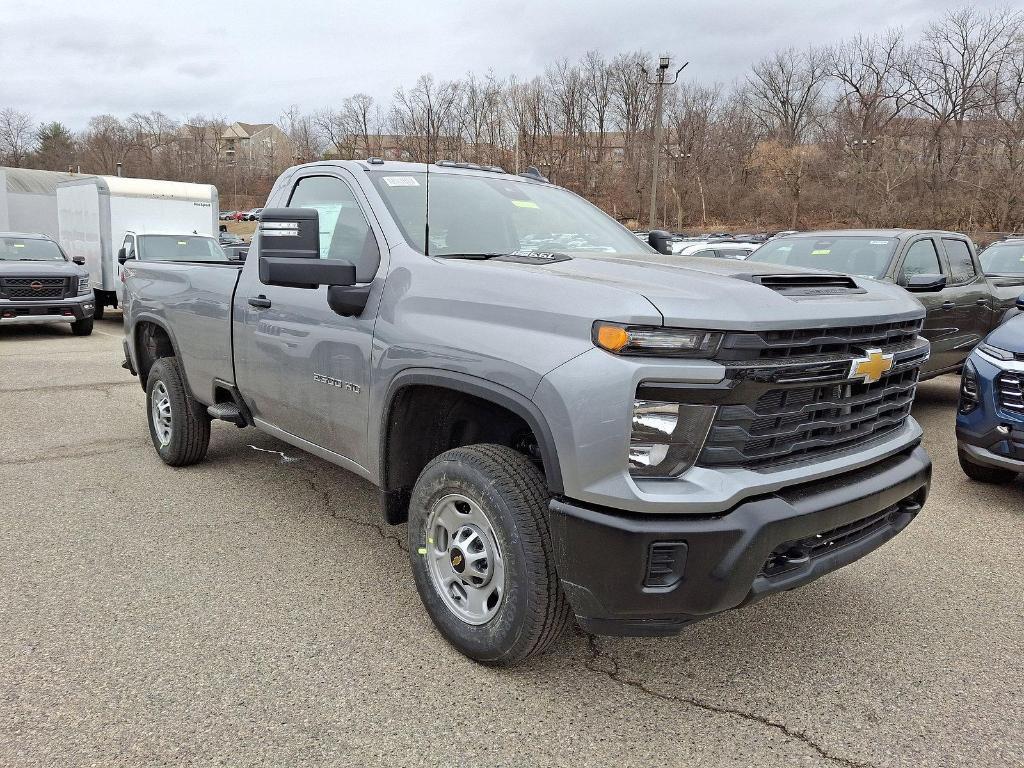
pixel 28 200
pixel 95 213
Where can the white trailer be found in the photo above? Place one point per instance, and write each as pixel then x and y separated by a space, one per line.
pixel 28 200
pixel 95 213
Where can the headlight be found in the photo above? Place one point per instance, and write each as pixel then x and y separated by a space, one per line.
pixel 969 388
pixel 654 340
pixel 996 352
pixel 83 285
pixel 667 437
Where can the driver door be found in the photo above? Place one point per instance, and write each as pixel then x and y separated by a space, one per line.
pixel 940 328
pixel 302 368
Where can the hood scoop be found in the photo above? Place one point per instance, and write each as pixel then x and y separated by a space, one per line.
pixel 806 284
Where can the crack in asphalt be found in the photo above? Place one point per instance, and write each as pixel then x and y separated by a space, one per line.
pixel 69 455
pixel 313 481
pixel 615 674
pixel 102 386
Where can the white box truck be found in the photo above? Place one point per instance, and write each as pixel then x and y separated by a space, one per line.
pixel 96 212
pixel 28 200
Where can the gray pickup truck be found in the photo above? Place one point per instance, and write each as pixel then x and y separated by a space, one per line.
pixel 39 283
pixel 571 422
pixel 962 302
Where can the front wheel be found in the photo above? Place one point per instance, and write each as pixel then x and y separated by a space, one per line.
pixel 481 554
pixel 984 474
pixel 82 327
pixel 178 425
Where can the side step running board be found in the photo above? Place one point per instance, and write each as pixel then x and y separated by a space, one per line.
pixel 226 412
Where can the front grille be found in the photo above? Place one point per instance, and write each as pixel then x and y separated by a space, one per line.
pixel 799 422
pixel 794 554
pixel 34 287
pixel 1010 388
pixel 802 342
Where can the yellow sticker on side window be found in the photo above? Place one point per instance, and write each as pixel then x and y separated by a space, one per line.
pixel 525 204
pixel 821 252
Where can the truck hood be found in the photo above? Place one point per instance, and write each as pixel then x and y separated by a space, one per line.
pixel 724 294
pixel 40 269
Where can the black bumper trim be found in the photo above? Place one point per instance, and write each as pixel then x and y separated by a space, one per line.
pixel 601 554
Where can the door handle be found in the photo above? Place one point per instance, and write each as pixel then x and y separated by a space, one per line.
pixel 982 302
pixel 260 302
pixel 945 304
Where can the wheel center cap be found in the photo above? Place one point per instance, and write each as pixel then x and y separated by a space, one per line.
pixel 458 560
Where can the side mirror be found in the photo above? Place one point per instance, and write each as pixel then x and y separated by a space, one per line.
pixel 659 241
pixel 79 260
pixel 925 283
pixel 1020 302
pixel 290 233
pixel 122 256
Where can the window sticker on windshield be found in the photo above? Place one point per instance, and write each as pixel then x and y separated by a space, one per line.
pixel 401 181
pixel 821 252
pixel 879 242
pixel 525 204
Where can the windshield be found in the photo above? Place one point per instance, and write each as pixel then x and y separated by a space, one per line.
pixel 863 256
pixel 29 249
pixel 1003 259
pixel 479 215
pixel 179 248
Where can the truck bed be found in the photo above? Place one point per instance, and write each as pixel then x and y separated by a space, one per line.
pixel 192 301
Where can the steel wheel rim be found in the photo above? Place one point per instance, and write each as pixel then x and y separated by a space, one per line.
pixel 463 559
pixel 160 412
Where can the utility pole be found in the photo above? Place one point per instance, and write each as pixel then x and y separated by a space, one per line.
pixel 660 81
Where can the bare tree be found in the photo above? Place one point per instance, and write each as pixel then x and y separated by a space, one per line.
pixel 785 91
pixel 17 136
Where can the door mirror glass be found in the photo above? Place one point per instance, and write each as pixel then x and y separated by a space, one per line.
pixel 925 283
pixel 289 233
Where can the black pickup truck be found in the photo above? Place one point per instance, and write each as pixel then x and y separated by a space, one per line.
pixel 940 268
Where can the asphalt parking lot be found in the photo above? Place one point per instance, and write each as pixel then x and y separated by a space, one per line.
pixel 251 610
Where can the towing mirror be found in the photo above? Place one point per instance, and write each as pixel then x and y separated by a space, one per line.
pixel 289 233
pixel 925 283
pixel 122 257
pixel 1020 302
pixel 79 260
pixel 305 272
pixel 659 241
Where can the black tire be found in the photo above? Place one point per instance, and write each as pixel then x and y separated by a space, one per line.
pixel 512 494
pixel 82 327
pixel 189 424
pixel 984 474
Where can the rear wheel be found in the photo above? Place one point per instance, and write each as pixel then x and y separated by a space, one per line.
pixel 985 474
pixel 178 424
pixel 82 327
pixel 481 554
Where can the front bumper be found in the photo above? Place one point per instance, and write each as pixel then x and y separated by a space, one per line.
pixel 46 310
pixel 990 434
pixel 763 545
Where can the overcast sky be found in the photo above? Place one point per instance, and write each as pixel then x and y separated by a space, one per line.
pixel 248 61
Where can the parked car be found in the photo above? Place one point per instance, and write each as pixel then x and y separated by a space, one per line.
pixel 721 249
pixel 236 251
pixel 990 416
pixel 40 284
pixel 227 215
pixel 571 430
pixel 253 215
pixel 226 238
pixel 939 268
pixel 1003 264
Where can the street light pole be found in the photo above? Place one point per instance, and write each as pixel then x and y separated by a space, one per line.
pixel 660 82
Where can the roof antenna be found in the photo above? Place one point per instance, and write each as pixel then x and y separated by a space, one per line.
pixel 426 211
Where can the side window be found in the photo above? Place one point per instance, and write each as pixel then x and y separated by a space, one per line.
pixel 921 259
pixel 344 232
pixel 961 265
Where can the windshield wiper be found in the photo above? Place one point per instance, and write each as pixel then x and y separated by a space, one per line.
pixel 471 256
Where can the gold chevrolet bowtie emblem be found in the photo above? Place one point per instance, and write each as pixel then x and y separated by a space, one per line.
pixel 870 368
